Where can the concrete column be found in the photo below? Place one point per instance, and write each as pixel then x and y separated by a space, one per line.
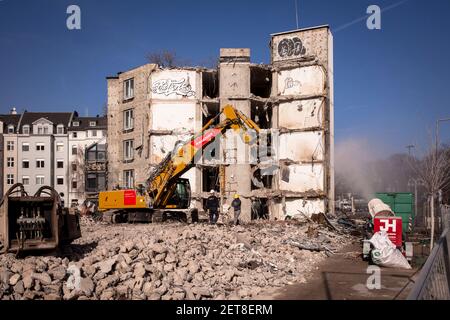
pixel 234 82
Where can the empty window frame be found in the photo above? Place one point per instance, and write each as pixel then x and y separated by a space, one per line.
pixel 128 119
pixel 128 178
pixel 128 151
pixel 128 89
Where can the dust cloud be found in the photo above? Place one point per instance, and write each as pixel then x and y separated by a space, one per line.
pixel 354 172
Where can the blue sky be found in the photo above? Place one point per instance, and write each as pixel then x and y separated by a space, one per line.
pixel 390 84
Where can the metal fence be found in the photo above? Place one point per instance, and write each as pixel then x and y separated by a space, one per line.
pixel 445 216
pixel 434 278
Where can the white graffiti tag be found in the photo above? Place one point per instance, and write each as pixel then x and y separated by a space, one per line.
pixel 290 83
pixel 169 86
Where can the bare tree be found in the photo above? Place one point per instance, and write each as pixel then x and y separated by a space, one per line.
pixel 166 59
pixel 434 172
pixel 211 62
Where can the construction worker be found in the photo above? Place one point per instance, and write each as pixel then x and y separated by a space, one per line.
pixel 212 204
pixel 256 208
pixel 236 204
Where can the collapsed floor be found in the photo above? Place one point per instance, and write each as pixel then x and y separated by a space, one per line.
pixel 172 261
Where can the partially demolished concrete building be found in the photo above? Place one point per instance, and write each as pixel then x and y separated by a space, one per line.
pixel 150 109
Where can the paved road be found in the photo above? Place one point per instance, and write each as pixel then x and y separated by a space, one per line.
pixel 343 277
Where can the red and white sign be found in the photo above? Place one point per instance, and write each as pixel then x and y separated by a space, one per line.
pixel 129 197
pixel 392 226
pixel 205 138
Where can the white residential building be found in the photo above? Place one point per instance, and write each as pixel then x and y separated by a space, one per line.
pixel 47 148
pixel 39 160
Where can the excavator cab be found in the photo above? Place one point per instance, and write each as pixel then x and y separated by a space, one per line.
pixel 181 197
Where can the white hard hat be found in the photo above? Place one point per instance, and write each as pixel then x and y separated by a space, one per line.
pixel 212 191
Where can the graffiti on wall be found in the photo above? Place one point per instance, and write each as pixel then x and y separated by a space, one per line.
pixel 171 86
pixel 289 47
pixel 290 83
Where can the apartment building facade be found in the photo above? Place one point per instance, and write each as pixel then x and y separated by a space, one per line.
pixel 84 133
pixel 39 150
pixel 40 159
pixel 8 149
pixel 149 109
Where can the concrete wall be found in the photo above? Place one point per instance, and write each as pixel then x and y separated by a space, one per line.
pixel 174 115
pixel 303 113
pixel 303 70
pixel 234 88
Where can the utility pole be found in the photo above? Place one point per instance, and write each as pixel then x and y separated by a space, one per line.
pixel 409 148
pixel 437 131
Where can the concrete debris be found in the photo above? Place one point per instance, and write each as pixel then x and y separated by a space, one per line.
pixel 14 279
pixel 172 261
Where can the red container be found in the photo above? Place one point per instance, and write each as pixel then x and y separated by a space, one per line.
pixel 392 226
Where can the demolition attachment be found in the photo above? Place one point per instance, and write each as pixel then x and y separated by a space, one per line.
pixel 37 222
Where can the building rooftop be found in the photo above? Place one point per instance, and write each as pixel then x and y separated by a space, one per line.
pixel 8 119
pixel 84 123
pixel 54 117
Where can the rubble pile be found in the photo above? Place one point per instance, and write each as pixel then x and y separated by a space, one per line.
pixel 171 261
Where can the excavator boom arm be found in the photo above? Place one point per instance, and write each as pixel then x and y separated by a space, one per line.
pixel 181 159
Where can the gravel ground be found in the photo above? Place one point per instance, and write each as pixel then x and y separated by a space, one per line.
pixel 170 261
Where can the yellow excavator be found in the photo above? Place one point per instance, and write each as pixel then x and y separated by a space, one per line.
pixel 165 194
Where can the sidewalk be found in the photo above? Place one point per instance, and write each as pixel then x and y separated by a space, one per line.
pixel 343 277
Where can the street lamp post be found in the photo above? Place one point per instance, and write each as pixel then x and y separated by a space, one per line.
pixel 437 131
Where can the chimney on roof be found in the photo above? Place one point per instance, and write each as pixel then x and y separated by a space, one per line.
pixel 13 110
